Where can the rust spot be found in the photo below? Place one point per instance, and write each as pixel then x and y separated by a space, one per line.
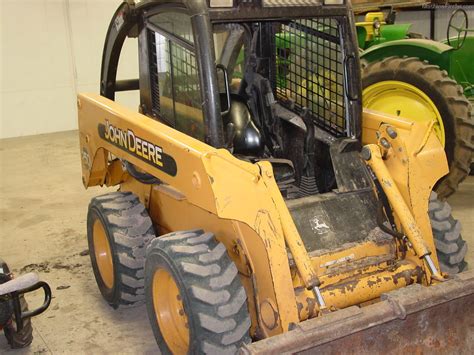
pixel 408 276
pixel 435 343
pixel 312 311
pixel 343 287
pixel 379 237
pixel 300 308
pixel 371 283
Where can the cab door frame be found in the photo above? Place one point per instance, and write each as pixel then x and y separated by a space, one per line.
pixel 130 21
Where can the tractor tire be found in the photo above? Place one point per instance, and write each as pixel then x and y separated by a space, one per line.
pixel 210 315
pixel 118 231
pixel 450 246
pixel 23 338
pixel 448 98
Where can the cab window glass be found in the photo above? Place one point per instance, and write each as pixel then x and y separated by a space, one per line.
pixel 230 51
pixel 176 92
pixel 175 23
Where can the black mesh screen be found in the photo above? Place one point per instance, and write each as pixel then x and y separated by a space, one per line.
pixel 309 71
pixel 155 88
pixel 185 76
pixel 175 90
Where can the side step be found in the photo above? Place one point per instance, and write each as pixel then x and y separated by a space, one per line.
pixel 413 319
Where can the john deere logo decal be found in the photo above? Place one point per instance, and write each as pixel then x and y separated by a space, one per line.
pixel 142 149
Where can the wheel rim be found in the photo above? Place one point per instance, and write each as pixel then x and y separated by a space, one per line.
pixel 404 100
pixel 103 254
pixel 169 312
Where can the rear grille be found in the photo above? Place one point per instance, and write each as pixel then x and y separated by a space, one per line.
pixel 309 71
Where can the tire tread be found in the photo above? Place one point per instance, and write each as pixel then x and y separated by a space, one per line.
pixel 459 108
pixel 131 230
pixel 217 297
pixel 450 246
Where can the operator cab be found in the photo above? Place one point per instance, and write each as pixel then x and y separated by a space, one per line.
pixel 286 79
pixel 266 80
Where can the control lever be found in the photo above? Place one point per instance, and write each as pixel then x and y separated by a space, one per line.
pixel 308 185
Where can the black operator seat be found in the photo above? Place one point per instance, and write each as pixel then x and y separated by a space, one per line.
pixel 248 142
pixel 247 138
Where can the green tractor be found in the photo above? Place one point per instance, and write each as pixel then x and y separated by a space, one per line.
pixel 407 75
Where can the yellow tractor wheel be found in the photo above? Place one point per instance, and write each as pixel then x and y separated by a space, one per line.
pixel 195 300
pixel 416 90
pixel 118 231
pixel 404 100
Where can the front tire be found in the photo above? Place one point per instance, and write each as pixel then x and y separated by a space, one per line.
pixel 118 232
pixel 412 88
pixel 195 300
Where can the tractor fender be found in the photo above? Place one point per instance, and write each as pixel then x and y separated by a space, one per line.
pixel 434 52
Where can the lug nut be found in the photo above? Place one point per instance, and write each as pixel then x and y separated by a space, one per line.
pixel 385 143
pixel 392 133
pixel 366 154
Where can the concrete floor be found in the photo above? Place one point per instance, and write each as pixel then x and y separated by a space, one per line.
pixel 43 208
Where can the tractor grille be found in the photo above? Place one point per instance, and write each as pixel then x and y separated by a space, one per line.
pixel 309 71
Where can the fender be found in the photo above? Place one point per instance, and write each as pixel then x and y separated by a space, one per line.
pixel 434 52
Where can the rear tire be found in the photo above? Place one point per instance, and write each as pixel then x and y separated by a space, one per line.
pixel 450 246
pixel 118 232
pixel 213 299
pixel 448 98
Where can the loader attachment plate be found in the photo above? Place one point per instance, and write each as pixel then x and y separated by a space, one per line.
pixel 414 319
pixel 328 221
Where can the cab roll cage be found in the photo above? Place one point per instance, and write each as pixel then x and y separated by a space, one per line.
pixel 130 21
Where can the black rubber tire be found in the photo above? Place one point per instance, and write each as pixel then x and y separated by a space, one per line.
pixel 214 299
pixel 450 246
pixel 449 99
pixel 129 230
pixel 6 310
pixel 23 338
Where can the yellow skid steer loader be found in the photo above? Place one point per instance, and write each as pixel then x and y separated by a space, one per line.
pixel 249 217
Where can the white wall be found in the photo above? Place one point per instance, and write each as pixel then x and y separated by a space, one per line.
pixel 420 20
pixel 49 51
pixel 52 49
